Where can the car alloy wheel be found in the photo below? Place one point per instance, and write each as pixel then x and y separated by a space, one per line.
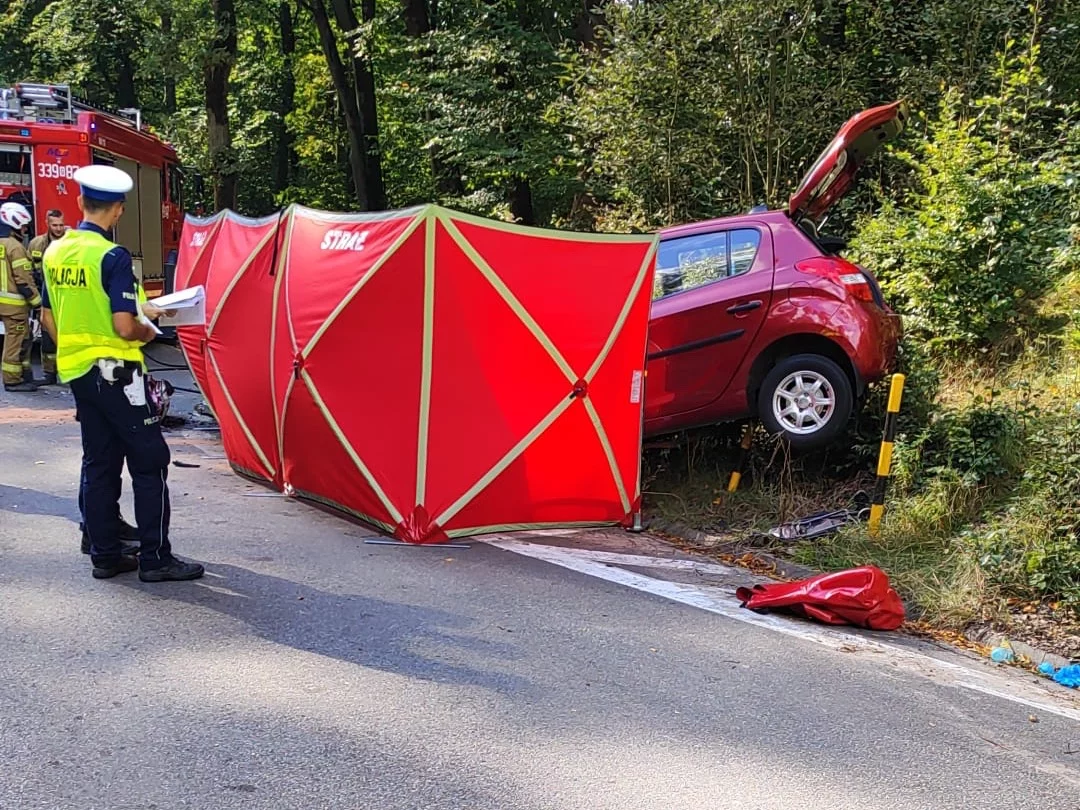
pixel 803 402
pixel 807 399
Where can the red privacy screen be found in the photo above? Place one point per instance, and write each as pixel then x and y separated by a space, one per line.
pixel 433 374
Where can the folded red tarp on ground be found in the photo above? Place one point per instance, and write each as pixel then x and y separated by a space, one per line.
pixel 434 374
pixel 858 596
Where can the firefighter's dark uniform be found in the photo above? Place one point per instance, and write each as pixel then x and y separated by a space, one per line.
pixel 88 279
pixel 37 247
pixel 18 294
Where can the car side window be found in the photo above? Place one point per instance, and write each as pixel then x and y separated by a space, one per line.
pixel 691 261
pixel 744 247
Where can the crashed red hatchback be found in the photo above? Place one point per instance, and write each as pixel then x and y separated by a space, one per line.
pixel 760 316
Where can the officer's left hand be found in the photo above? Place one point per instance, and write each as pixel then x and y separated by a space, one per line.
pixel 153 313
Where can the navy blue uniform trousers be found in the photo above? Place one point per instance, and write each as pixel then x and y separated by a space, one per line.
pixel 82 497
pixel 113 429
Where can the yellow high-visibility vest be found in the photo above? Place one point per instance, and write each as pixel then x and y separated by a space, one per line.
pixel 80 306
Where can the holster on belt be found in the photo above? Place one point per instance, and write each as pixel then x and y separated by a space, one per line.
pixel 117 371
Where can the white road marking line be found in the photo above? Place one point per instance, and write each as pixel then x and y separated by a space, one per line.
pixel 601 566
pixel 642 561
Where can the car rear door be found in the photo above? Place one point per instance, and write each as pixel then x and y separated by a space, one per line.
pixel 711 297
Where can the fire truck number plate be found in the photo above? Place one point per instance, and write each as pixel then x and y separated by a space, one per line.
pixel 55 170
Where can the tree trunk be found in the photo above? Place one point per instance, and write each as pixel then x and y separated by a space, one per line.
pixel 364 87
pixel 417 19
pixel 125 82
pixel 347 98
pixel 286 161
pixel 590 19
pixel 216 73
pixel 170 77
pixel 521 203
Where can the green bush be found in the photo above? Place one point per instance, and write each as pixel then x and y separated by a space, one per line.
pixel 980 235
pixel 1033 549
pixel 982 443
pixel 921 385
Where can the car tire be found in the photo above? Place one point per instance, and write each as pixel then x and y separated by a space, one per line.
pixel 807 399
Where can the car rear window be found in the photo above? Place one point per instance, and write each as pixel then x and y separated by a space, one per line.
pixel 688 262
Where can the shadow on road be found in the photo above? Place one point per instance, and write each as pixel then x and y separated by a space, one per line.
pixel 35 502
pixel 419 642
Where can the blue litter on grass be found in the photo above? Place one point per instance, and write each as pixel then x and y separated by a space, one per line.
pixel 1001 655
pixel 1047 669
pixel 1069 676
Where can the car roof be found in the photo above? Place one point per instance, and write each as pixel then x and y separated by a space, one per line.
pixel 724 223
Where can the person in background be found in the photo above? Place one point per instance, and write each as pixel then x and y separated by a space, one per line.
pixel 91 309
pixel 18 295
pixel 55 228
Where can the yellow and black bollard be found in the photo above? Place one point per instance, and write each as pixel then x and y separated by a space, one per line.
pixel 744 450
pixel 884 467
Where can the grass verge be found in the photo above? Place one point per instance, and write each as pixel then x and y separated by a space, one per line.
pixel 983 517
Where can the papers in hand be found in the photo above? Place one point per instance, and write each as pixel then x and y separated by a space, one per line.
pixel 189 306
pixel 150 323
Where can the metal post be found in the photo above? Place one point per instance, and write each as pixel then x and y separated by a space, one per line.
pixel 744 450
pixel 638 525
pixel 884 468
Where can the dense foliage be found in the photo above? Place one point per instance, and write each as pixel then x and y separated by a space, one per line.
pixel 592 113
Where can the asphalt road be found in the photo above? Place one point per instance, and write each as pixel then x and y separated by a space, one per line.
pixel 311 670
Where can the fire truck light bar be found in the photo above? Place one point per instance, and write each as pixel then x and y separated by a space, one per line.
pixel 40 95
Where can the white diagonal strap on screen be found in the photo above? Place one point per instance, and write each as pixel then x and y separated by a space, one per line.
pixel 511 300
pixel 348 448
pixel 237 276
pixel 363 280
pixel 620 322
pixel 239 418
pixel 508 459
pixel 534 328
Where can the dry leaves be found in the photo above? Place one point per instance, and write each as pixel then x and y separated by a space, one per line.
pixel 952 637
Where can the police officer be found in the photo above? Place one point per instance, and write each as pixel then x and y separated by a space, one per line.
pixel 18 294
pixel 91 309
pixel 55 228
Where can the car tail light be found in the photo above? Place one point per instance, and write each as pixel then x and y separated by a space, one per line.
pixel 840 271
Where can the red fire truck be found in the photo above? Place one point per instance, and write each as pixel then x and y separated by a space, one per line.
pixel 46 133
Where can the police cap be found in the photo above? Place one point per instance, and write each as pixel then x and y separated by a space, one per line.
pixel 104 183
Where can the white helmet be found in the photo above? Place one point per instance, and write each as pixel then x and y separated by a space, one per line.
pixel 14 215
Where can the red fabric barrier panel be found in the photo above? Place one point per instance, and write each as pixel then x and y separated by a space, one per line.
pixel 858 596
pixel 192 263
pixel 434 374
pixel 347 359
pixel 239 312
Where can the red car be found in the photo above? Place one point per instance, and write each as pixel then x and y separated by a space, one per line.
pixel 759 315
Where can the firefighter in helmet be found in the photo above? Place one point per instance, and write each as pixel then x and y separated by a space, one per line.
pixel 92 310
pixel 55 228
pixel 18 295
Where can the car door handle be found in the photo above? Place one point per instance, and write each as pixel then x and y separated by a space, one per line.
pixel 739 309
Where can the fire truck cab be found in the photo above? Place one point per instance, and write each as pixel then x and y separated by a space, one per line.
pixel 46 133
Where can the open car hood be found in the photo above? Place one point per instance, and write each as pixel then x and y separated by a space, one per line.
pixel 833 173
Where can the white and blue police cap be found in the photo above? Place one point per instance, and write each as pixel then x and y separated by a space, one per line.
pixel 104 183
